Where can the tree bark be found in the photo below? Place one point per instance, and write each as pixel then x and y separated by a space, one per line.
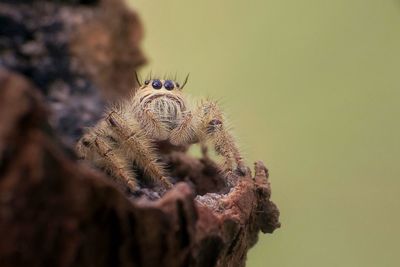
pixel 59 62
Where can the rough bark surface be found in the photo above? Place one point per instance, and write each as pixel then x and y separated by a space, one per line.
pixel 59 62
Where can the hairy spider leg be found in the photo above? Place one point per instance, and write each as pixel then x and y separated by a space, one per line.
pixel 208 125
pixel 96 147
pixel 137 145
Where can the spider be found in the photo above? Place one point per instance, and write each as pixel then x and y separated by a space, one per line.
pixel 157 111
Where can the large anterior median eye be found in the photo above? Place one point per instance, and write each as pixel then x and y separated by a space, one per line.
pixel 157 84
pixel 169 85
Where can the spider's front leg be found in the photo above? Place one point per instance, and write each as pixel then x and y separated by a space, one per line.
pixel 137 145
pixel 214 129
pixel 96 147
pixel 207 123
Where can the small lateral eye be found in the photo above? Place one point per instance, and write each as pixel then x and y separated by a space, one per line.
pixel 85 142
pixel 169 85
pixel 177 85
pixel 157 84
pixel 146 82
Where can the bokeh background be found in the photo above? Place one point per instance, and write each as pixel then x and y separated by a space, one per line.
pixel 312 88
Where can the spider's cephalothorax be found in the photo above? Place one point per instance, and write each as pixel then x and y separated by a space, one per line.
pixel 164 100
pixel 157 111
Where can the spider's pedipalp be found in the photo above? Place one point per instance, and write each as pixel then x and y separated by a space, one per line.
pixel 185 133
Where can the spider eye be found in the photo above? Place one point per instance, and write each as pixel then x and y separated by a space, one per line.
pixel 146 82
pixel 177 85
pixel 157 84
pixel 85 142
pixel 169 85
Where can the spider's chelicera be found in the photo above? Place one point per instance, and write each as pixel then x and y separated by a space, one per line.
pixel 157 111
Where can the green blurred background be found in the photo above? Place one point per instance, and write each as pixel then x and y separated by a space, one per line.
pixel 312 88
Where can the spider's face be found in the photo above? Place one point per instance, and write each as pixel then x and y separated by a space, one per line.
pixel 153 89
pixel 161 97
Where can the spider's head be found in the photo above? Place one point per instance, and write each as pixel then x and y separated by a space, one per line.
pixel 156 88
pixel 164 97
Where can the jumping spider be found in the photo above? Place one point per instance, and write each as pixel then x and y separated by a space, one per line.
pixel 157 111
